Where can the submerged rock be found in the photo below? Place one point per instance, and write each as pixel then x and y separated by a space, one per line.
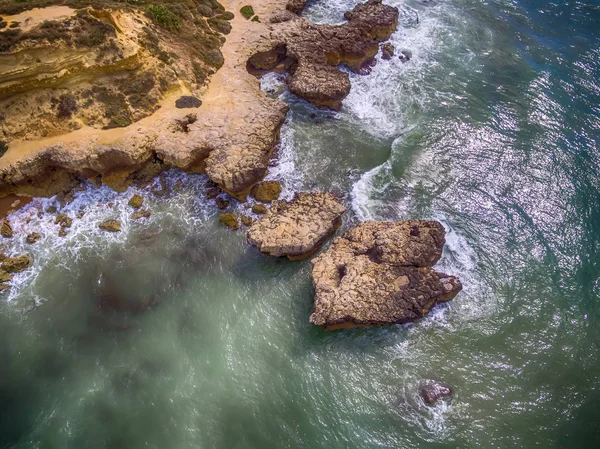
pixel 297 229
pixel 247 221
pixel 379 273
pixel 266 191
pixel 312 53
pixel 136 201
pixel 144 213
pixel 111 226
pixel 222 203
pixel 6 229
pixel 432 392
pixel 33 238
pixel 230 220
pixel 387 51
pixel 16 264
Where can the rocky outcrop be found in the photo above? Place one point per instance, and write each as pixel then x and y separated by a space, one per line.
pixel 297 229
pixel 16 264
pixel 432 392
pixel 311 53
pixel 230 136
pixel 380 273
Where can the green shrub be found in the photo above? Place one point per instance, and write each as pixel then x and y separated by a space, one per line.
pixel 247 11
pixel 3 147
pixel 162 16
pixel 255 19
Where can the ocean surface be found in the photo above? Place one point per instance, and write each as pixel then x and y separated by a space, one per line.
pixel 491 128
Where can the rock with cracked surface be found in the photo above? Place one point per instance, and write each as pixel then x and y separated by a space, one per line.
pixel 380 273
pixel 297 229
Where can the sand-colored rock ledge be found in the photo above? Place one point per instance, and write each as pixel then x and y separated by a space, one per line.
pixel 380 273
pixel 297 229
pixel 100 128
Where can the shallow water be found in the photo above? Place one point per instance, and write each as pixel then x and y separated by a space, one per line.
pixel 491 128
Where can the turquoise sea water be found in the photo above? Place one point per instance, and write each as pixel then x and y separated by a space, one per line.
pixel 491 128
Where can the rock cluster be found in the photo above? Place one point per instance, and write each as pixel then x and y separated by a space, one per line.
pixel 380 273
pixel 297 229
pixel 311 53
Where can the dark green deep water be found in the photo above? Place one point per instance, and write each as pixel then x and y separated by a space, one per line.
pixel 492 128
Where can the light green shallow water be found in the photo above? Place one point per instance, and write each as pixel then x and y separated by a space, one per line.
pixel 491 128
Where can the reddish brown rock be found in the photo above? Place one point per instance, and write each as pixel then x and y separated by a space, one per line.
pixel 380 273
pixel 432 392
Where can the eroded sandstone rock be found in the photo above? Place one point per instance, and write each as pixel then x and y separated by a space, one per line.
pixel 136 201
pixel 110 226
pixel 297 229
pixel 230 220
pixel 144 213
pixel 6 229
pixel 311 53
pixel 380 273
pixel 16 264
pixel 266 191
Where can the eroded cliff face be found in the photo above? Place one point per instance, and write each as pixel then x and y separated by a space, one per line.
pixel 108 112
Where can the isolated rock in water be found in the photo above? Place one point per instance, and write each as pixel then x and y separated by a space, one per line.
pixel 266 191
pixel 379 273
pixel 213 192
pixel 298 228
pixel 188 102
pixel 62 232
pixel 259 209
pixel 432 392
pixel 136 201
pixel 230 220
pixel 16 264
pixel 33 238
pixel 64 221
pixel 405 55
pixel 111 226
pixel 247 221
pixel 6 229
pixel 144 213
pixel 387 51
pixel 221 203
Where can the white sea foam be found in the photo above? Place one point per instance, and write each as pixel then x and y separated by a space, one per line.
pixel 98 205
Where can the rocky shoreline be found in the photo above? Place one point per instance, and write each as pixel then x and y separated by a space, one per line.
pixel 377 273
